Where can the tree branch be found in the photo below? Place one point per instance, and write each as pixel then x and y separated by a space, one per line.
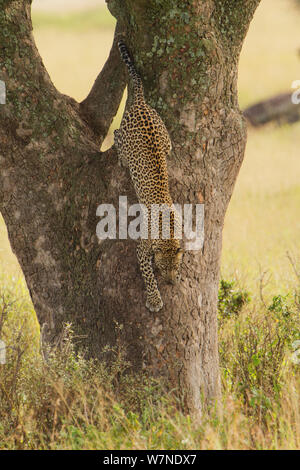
pixel 102 103
pixel 38 119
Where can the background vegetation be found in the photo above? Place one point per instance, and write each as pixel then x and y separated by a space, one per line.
pixel 69 402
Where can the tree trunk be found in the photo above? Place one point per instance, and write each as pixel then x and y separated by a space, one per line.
pixel 53 177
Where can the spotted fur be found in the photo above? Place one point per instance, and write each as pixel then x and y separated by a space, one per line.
pixel 143 144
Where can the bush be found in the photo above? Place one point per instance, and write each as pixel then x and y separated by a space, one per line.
pixel 256 348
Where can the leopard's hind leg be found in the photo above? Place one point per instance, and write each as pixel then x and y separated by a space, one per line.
pixel 118 141
pixel 144 253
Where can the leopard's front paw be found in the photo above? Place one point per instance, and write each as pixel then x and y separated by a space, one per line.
pixel 154 305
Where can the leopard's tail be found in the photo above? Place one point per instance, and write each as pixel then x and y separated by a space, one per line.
pixel 136 79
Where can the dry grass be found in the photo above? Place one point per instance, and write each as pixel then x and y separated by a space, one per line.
pixel 270 60
pixel 262 223
pixel 71 403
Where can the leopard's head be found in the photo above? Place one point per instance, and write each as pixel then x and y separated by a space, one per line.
pixel 168 258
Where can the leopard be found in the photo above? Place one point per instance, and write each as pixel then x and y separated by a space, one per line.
pixel 143 145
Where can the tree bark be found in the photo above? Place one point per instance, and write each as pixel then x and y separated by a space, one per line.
pixel 53 177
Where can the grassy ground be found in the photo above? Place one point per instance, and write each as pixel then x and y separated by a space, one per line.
pixel 257 338
pixel 263 222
